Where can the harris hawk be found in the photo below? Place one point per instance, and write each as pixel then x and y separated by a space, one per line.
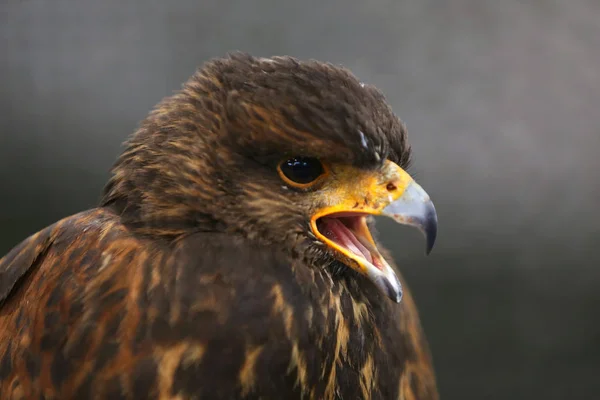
pixel 232 254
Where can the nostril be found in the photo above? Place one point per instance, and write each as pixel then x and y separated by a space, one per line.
pixel 391 187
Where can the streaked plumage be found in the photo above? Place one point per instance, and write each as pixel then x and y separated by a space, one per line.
pixel 199 275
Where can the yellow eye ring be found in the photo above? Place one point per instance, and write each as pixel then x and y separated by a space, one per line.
pixel 302 172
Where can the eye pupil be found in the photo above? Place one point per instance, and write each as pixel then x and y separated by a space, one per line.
pixel 302 170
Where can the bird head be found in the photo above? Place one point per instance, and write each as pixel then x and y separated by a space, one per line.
pixel 297 155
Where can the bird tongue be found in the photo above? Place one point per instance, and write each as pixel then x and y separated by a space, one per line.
pixel 335 230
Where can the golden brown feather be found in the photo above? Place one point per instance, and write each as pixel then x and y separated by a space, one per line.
pixel 199 276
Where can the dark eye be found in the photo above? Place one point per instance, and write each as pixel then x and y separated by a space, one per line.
pixel 301 172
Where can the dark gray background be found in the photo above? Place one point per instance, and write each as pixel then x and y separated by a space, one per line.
pixel 501 99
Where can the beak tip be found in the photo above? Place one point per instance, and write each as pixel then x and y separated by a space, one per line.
pixel 396 297
pixel 414 207
pixel 390 285
pixel 430 229
pixel 430 241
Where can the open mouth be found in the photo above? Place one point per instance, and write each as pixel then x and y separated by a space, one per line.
pixel 349 234
pixel 340 221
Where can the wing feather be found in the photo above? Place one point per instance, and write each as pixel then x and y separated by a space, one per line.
pixel 22 260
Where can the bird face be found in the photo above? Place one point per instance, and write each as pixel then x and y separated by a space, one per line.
pixel 343 196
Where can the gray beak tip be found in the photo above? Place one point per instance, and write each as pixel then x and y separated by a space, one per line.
pixel 430 229
pixel 398 298
pixel 414 207
pixel 389 284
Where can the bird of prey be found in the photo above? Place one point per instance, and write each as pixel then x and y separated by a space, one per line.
pixel 232 254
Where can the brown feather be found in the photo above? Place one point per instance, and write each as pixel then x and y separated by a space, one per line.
pixel 197 278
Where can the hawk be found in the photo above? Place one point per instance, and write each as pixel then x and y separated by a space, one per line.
pixel 232 255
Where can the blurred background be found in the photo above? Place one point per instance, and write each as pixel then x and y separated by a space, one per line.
pixel 502 104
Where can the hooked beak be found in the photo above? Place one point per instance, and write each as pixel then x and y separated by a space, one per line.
pixel 353 195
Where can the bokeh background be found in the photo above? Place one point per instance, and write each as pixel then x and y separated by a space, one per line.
pixel 502 103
